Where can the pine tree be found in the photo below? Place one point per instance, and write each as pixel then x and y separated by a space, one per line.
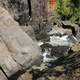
pixel 69 9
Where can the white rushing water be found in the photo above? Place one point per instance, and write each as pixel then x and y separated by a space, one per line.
pixel 61 41
pixel 46 59
pixel 57 40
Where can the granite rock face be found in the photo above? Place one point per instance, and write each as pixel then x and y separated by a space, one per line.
pixel 17 48
pixel 2 76
pixel 22 10
pixel 18 9
pixel 28 12
pixel 29 30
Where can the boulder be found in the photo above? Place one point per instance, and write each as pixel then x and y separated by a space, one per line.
pixel 2 76
pixel 61 31
pixel 19 50
pixel 74 27
pixel 7 63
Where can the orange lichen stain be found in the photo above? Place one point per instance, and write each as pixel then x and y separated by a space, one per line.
pixel 52 4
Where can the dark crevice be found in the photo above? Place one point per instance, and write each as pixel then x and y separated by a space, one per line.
pixel 19 8
pixel 29 6
pixel 4 72
pixel 69 27
pixel 16 75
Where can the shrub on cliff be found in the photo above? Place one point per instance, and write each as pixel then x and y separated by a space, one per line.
pixel 69 9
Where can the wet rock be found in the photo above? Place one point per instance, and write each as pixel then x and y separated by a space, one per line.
pixel 72 26
pixel 61 37
pixel 51 53
pixel 78 36
pixel 60 41
pixel 59 51
pixel 61 31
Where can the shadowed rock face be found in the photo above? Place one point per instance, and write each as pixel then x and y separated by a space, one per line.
pixel 17 48
pixel 59 51
pixel 22 10
pixel 2 76
pixel 32 12
pixel 19 9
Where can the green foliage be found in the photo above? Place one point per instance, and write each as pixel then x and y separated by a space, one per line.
pixel 70 9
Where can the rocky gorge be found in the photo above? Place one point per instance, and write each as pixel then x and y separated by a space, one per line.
pixel 35 46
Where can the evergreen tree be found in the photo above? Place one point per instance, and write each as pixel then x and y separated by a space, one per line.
pixel 69 9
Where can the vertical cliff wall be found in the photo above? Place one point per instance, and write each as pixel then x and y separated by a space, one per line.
pixel 22 10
